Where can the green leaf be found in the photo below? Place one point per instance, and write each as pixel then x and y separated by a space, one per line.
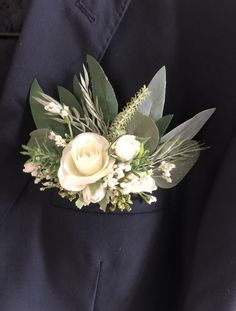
pixel 79 203
pixel 40 136
pixel 67 98
pixel 102 90
pixel 191 127
pixel 37 110
pixel 76 89
pixel 183 166
pixel 103 203
pixel 41 119
pixel 163 124
pixel 143 126
pixel 153 105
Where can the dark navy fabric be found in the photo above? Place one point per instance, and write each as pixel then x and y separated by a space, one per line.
pixel 178 254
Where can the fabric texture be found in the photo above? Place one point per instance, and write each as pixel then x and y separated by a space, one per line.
pixel 178 255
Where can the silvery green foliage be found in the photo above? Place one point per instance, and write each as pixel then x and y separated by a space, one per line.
pixel 191 127
pixel 145 127
pixel 153 105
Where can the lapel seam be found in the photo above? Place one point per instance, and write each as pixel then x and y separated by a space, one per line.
pixel 86 11
pixel 120 14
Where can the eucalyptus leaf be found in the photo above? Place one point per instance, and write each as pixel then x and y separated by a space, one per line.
pixel 37 110
pixel 102 90
pixel 182 167
pixel 191 127
pixel 76 89
pixel 153 105
pixel 143 126
pixel 67 98
pixel 163 123
pixel 103 203
pixel 40 136
pixel 40 116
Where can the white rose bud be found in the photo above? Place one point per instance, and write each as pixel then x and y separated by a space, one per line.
pixel 126 147
pixel 93 193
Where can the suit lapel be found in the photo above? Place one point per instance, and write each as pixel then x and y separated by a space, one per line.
pixel 55 38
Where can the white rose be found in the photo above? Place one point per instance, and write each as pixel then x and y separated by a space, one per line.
pixel 84 161
pixel 143 183
pixel 93 193
pixel 126 147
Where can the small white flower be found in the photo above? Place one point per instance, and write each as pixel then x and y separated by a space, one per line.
pixel 151 199
pixel 30 167
pixel 111 181
pixel 37 180
pixel 57 108
pixel 126 147
pixel 119 172
pixel 121 169
pixel 142 183
pixel 59 141
pixel 168 179
pixel 34 173
pixel 65 111
pixel 53 107
pixel 93 193
pixel 166 168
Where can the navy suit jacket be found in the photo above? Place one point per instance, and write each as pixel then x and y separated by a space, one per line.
pixel 179 254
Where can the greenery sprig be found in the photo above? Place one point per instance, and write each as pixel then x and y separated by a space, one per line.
pixel 121 121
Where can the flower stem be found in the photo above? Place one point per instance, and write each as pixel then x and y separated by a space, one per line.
pixel 70 128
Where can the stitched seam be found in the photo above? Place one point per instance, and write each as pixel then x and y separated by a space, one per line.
pixel 97 285
pixel 86 11
pixel 113 28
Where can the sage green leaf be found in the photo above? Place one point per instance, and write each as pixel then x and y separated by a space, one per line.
pixel 102 89
pixel 37 110
pixel 103 203
pixel 182 167
pixel 76 89
pixel 191 127
pixel 163 124
pixel 153 105
pixel 40 116
pixel 143 126
pixel 67 98
pixel 79 203
pixel 40 136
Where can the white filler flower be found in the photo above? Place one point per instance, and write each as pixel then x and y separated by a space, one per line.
pixel 166 168
pixel 126 147
pixel 84 161
pixel 59 141
pixel 30 167
pixel 135 184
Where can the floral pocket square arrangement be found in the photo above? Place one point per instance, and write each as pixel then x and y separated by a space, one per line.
pixel 92 153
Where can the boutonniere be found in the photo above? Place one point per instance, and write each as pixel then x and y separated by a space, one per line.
pixel 92 153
